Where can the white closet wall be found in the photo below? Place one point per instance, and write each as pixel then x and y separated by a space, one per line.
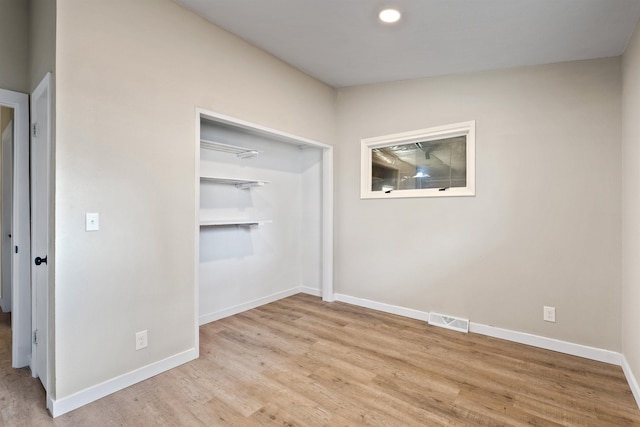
pixel 311 220
pixel 280 189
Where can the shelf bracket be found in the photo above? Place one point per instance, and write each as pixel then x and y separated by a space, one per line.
pixel 241 152
pixel 248 185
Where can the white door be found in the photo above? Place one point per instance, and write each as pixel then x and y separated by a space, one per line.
pixel 7 221
pixel 40 199
pixel 21 335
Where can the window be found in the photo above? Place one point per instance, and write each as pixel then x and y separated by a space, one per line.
pixel 434 162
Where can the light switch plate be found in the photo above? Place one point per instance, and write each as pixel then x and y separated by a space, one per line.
pixel 92 221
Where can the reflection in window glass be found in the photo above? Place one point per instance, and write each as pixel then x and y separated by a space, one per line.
pixel 440 163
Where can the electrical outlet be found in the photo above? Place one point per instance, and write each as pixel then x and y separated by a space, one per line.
pixel 141 340
pixel 549 314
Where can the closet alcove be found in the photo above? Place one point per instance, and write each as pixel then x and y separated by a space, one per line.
pixel 264 216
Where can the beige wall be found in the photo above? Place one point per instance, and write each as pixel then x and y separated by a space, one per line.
pixel 6 115
pixel 27 43
pixel 129 77
pixel 631 203
pixel 42 40
pixel 14 45
pixel 4 119
pixel 544 227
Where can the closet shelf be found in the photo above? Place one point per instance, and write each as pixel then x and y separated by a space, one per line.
pixel 241 152
pixel 240 222
pixel 239 183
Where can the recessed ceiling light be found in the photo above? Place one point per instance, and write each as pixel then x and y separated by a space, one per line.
pixel 389 16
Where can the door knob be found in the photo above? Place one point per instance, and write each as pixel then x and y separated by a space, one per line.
pixel 40 260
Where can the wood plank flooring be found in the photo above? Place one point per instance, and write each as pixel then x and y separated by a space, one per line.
pixel 303 362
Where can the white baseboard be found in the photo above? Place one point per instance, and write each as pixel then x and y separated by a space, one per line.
pixel 221 314
pixel 631 379
pixel 565 347
pixel 387 308
pixel 61 406
pixel 506 334
pixel 310 291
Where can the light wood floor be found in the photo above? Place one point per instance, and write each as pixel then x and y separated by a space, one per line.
pixel 302 362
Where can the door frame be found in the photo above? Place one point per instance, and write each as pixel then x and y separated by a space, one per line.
pixel 21 231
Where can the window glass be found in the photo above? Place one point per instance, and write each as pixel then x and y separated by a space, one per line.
pixel 432 162
pixel 440 163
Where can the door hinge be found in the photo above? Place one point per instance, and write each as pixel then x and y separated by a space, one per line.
pixel 16 249
pixel 34 130
pixel 35 337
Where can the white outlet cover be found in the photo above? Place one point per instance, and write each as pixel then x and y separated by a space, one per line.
pixel 141 340
pixel 549 314
pixel 92 222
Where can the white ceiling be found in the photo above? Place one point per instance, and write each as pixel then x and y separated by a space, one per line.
pixel 342 43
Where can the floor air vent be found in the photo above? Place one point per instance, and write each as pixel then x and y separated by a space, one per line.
pixel 449 322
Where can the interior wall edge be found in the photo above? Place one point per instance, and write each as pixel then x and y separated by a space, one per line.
pixel 631 379
pixel 630 208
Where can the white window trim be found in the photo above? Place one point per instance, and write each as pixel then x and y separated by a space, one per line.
pixel 440 132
